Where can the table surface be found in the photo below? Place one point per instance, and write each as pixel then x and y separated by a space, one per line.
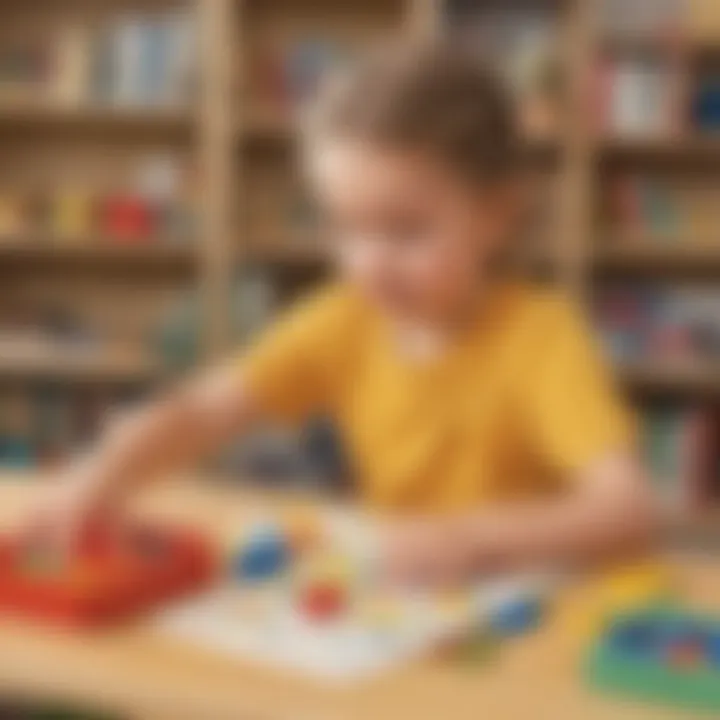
pixel 136 672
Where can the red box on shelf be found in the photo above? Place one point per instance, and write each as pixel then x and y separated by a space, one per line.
pixel 111 577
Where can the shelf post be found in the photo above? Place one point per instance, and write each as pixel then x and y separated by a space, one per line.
pixel 575 202
pixel 217 24
pixel 423 18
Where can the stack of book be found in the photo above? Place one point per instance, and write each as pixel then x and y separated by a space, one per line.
pixel 521 42
pixel 663 211
pixel 658 323
pixel 643 18
pixel 638 96
pixel 283 75
pixel 134 60
pixel 41 424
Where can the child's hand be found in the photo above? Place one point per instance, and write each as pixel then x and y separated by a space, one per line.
pixel 426 551
pixel 67 507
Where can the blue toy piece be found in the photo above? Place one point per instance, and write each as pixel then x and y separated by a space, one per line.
pixel 516 616
pixel 637 638
pixel 263 554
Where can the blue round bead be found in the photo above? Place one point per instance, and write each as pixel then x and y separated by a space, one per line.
pixel 516 616
pixel 262 556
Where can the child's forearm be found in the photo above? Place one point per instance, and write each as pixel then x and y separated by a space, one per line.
pixel 615 515
pixel 171 434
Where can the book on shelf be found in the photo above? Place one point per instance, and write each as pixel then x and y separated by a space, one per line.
pixel 521 43
pixel 72 65
pixel 134 60
pixel 661 211
pixel 643 18
pixel 674 326
pixel 638 96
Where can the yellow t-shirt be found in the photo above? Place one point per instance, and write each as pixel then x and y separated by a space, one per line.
pixel 519 401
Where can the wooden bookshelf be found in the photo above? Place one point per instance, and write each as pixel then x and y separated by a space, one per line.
pixel 670 255
pixel 114 365
pixel 237 139
pixel 684 377
pixel 100 252
pixel 44 118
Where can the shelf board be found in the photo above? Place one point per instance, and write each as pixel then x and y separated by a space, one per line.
pixel 675 376
pixel 280 129
pixel 696 146
pixel 116 365
pixel 653 255
pixel 289 254
pixel 638 42
pixel 98 252
pixel 268 127
pixel 131 120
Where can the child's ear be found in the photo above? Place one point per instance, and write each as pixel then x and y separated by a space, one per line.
pixel 506 204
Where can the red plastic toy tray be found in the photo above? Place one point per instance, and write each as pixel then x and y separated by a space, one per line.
pixel 110 577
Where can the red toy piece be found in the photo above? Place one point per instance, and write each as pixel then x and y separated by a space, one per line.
pixel 111 576
pixel 685 656
pixel 323 601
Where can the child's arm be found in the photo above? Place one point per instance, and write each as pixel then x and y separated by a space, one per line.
pixel 174 432
pixel 611 511
pixel 287 375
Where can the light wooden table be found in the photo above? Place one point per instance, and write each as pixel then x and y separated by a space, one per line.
pixel 142 675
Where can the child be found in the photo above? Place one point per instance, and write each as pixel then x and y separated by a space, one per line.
pixel 478 415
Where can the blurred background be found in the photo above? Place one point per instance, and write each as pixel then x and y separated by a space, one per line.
pixel 151 218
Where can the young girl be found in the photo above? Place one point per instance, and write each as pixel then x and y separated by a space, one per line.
pixel 478 415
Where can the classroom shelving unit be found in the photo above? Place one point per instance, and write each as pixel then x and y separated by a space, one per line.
pixel 244 151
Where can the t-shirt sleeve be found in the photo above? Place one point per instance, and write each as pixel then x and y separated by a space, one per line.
pixel 295 367
pixel 576 413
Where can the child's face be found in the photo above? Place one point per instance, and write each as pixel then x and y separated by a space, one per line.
pixel 409 232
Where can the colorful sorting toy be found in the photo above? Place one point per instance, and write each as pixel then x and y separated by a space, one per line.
pixel 666 655
pixel 110 576
pixel 620 589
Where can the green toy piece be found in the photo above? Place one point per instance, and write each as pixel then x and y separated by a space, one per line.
pixel 478 650
pixel 661 654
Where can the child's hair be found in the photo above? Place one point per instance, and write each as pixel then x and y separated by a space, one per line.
pixel 437 98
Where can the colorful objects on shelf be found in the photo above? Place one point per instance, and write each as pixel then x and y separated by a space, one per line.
pixel 128 219
pixel 669 656
pixel 73 215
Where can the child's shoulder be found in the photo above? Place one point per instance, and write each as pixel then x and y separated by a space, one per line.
pixel 545 311
pixel 334 308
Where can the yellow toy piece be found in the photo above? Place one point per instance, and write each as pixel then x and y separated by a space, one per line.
pixel 304 529
pixel 328 566
pixel 617 590
pixel 454 604
pixel 382 612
